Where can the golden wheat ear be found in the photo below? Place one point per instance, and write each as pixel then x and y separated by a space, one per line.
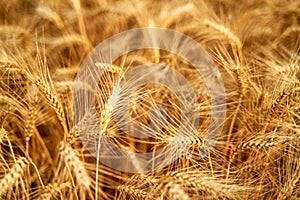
pixel 51 191
pixel 74 167
pixel 13 176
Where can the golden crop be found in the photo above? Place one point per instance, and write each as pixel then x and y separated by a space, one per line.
pixel 255 45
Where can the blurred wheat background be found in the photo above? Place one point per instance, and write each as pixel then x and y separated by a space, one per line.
pixel 255 45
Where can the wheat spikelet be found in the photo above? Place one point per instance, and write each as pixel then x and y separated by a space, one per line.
pixel 106 114
pixel 5 114
pixel 4 98
pixel 69 72
pixel 13 175
pixel 68 85
pixel 72 136
pixel 195 143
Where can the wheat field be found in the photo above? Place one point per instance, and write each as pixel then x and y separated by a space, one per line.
pixel 44 148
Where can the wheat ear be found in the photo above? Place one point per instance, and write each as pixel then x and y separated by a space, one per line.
pixel 256 145
pixel 76 166
pixel 242 82
pixel 254 168
pixel 51 15
pixel 290 186
pixel 53 102
pixel 3 134
pixel 241 78
pixel 225 31
pixel 135 192
pixel 139 186
pixel 30 122
pixel 260 144
pixel 197 182
pixel 276 104
pixel 176 192
pixel 13 175
pixel 106 114
pixel 51 190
